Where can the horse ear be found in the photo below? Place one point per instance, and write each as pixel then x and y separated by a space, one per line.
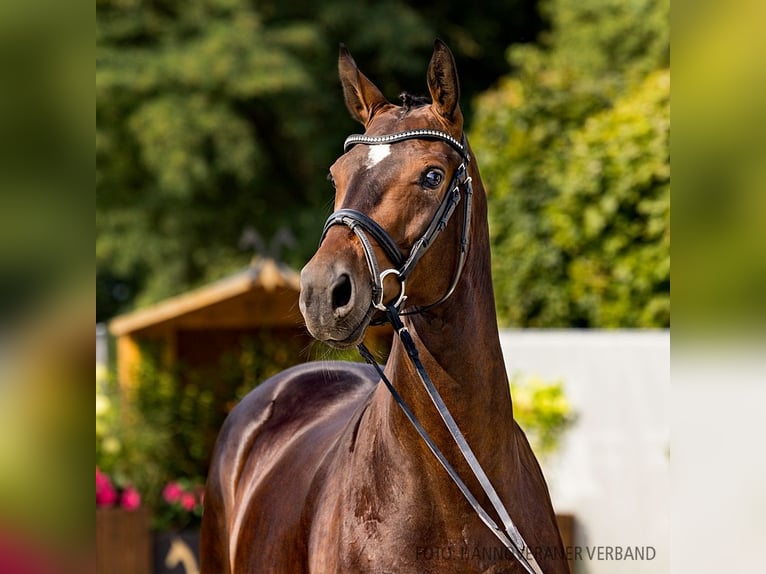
pixel 362 97
pixel 443 83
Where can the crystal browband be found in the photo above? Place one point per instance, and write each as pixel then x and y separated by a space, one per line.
pixel 354 139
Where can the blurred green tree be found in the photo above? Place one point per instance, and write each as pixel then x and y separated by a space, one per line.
pixel 217 121
pixel 574 149
pixel 178 153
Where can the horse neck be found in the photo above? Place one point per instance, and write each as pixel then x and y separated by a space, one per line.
pixel 459 346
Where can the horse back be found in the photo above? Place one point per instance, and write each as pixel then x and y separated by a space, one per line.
pixel 266 457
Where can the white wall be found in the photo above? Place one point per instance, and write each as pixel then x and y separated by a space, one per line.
pixel 613 470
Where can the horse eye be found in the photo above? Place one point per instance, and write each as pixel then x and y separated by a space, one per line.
pixel 432 178
pixel 331 179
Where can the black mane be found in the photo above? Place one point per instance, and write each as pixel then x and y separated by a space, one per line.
pixel 410 101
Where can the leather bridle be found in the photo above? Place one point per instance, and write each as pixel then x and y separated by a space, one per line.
pixel 362 225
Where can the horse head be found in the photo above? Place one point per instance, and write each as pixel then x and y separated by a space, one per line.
pixel 396 187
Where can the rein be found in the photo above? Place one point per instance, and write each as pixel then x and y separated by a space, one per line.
pixel 509 536
pixel 362 225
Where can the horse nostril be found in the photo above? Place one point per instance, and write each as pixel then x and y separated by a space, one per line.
pixel 341 292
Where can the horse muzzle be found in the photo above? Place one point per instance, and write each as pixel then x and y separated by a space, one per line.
pixel 335 299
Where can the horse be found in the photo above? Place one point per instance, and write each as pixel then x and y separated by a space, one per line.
pixel 319 468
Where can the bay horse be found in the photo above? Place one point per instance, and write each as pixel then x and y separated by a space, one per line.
pixel 318 469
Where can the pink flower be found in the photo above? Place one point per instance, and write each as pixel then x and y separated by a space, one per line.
pixel 106 494
pixel 101 479
pixel 188 501
pixel 172 492
pixel 131 499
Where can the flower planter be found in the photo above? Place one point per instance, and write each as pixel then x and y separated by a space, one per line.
pixel 176 552
pixel 123 541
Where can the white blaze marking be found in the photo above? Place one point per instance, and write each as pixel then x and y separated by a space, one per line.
pixel 376 154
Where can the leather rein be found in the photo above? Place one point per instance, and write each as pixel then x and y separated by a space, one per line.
pixel 362 225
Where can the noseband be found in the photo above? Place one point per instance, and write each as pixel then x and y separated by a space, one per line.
pixel 363 225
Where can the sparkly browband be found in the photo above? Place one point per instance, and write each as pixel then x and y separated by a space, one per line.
pixel 354 139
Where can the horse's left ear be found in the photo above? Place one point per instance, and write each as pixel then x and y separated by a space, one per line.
pixel 443 83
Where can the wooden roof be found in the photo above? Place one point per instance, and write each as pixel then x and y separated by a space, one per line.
pixel 263 295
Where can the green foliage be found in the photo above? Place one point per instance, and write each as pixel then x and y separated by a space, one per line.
pixel 619 40
pixel 108 443
pixel 217 121
pixel 177 152
pixel 611 219
pixel 165 429
pixel 542 410
pixel 574 150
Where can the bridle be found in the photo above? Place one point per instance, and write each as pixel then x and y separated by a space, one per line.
pixel 362 225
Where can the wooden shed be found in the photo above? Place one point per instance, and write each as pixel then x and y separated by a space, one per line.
pixel 197 328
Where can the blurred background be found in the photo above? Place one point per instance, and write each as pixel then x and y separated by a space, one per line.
pixel 216 122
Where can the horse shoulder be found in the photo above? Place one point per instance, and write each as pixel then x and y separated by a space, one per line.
pixel 266 459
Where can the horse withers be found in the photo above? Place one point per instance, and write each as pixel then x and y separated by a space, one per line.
pixel 319 469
